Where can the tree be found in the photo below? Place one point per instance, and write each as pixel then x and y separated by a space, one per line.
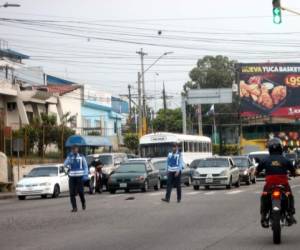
pixel 171 118
pixel 131 141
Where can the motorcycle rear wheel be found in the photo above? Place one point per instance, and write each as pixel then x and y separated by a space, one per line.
pixel 276 227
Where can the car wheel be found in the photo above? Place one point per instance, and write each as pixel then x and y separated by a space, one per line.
pixel 157 186
pixel 248 181
pixel 230 184
pixel 196 187
pixel 146 186
pixel 206 187
pixel 254 180
pixel 44 196
pixel 21 197
pixel 55 191
pixel 238 183
pixel 127 190
pixel 112 191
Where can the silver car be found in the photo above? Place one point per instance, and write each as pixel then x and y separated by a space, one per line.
pixel 216 171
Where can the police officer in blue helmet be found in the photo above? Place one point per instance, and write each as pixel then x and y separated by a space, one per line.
pixel 77 169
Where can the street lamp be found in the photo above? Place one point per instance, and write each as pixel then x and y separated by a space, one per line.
pixel 6 5
pixel 164 54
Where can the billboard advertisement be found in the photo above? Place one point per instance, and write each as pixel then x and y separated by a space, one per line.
pixel 270 89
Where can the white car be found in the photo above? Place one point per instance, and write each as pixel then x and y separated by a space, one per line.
pixel 216 171
pixel 43 180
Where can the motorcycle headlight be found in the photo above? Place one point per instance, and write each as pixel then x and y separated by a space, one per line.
pixel 45 184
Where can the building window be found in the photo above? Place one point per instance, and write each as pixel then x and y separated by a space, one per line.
pixel 11 106
pixel 30 116
pixel 97 123
pixel 115 127
pixel 86 123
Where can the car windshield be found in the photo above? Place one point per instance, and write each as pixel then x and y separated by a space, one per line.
pixel 131 168
pixel 241 162
pixel 160 165
pixel 195 163
pixel 258 157
pixel 213 163
pixel 105 159
pixel 89 159
pixel 43 172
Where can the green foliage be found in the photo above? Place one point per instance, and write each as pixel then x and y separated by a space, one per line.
pixel 131 141
pixel 232 149
pixel 169 120
pixel 43 132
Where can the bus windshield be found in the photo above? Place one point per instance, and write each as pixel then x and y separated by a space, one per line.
pixel 156 149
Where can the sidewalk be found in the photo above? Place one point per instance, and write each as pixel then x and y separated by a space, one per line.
pixel 7 195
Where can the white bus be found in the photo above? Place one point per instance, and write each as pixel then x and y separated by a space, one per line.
pixel 158 145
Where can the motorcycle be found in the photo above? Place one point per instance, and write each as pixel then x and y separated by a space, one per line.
pixel 278 212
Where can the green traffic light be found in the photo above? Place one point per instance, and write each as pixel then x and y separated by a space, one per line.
pixel 277 15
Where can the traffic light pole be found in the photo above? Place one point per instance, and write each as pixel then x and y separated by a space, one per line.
pixel 291 11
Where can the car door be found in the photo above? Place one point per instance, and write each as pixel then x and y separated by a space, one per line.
pixel 150 174
pixel 234 171
pixel 64 179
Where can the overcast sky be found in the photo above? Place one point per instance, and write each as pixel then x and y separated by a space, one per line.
pixel 94 42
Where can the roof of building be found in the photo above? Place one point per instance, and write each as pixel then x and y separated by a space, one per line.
pixel 59 89
pixel 57 80
pixel 12 54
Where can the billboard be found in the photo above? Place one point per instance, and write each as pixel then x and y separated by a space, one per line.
pixel 270 89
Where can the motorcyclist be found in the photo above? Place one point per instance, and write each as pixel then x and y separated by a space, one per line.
pixel 276 168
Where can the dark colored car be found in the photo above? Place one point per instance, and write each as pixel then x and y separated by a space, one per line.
pixel 293 157
pixel 161 166
pixel 134 175
pixel 257 157
pixel 247 169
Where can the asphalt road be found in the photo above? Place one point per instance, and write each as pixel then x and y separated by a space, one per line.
pixel 214 219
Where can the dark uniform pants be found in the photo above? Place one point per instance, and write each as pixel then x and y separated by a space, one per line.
pixel 173 181
pixel 76 187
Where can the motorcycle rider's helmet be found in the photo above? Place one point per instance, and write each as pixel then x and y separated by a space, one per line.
pixel 275 146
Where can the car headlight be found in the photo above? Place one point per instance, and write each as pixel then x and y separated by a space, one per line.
pixel 196 174
pixel 224 173
pixel 246 172
pixel 45 184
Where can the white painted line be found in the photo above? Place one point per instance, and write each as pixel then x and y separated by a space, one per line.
pixel 115 195
pixel 258 192
pixel 235 192
pixel 192 193
pixel 210 193
pixel 155 194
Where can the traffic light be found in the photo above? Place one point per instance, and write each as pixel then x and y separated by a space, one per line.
pixel 277 12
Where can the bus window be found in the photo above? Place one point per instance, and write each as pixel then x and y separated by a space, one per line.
pixel 196 146
pixel 191 147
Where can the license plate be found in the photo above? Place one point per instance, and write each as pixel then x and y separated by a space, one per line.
pixel 209 180
pixel 123 185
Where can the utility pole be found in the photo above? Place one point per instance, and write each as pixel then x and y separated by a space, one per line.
pixel 165 107
pixel 199 111
pixel 129 98
pixel 142 54
pixel 140 111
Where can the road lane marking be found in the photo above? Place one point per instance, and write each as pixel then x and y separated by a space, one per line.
pixel 210 193
pixel 258 192
pixel 155 194
pixel 235 192
pixel 193 193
